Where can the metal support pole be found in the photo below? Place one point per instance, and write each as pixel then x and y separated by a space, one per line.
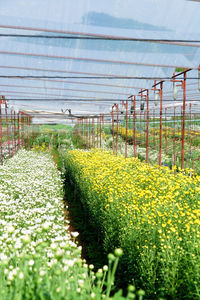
pixel 97 132
pixel 134 126
pixel 82 129
pixel 126 105
pixel 154 135
pixel 89 135
pixel 113 129
pixel 18 129
pixel 183 85
pixel 1 135
pixel 23 129
pixel 144 120
pixel 32 133
pixel 86 132
pixel 140 128
pixel 190 131
pixel 183 123
pixel 103 129
pixel 29 127
pixel 15 145
pixel 166 130
pixel 93 141
pixel 147 129
pixel 26 135
pixel 174 131
pixel 12 132
pixel 161 99
pixel 100 130
pixel 7 126
pixel 117 108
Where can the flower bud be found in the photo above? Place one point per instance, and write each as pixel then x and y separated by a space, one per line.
pixel 118 252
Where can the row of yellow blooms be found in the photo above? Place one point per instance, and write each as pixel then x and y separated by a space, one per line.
pixel 152 214
pixel 165 130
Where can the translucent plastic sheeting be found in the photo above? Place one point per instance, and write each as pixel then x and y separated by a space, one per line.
pixel 53 57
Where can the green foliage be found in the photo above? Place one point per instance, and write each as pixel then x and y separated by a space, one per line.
pixel 54 137
pixel 56 127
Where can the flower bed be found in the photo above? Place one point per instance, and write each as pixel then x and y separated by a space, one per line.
pixel 38 258
pixel 152 214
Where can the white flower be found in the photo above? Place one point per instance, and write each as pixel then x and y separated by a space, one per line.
pixel 59 253
pixel 70 262
pixel 26 239
pixel 3 257
pixel 105 268
pixel 75 234
pixel 91 267
pixel 42 273
pixel 66 268
pixel 14 271
pixel 92 295
pixel 31 262
pixel 78 290
pixel 80 282
pixel 10 228
pixel 46 225
pixel 21 275
pixel 18 244
pixel 54 246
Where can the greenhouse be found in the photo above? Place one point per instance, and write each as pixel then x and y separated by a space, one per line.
pixel 99 149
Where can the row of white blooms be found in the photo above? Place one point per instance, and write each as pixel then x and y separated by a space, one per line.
pixel 38 256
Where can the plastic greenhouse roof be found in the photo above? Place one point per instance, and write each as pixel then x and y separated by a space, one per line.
pixel 56 57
